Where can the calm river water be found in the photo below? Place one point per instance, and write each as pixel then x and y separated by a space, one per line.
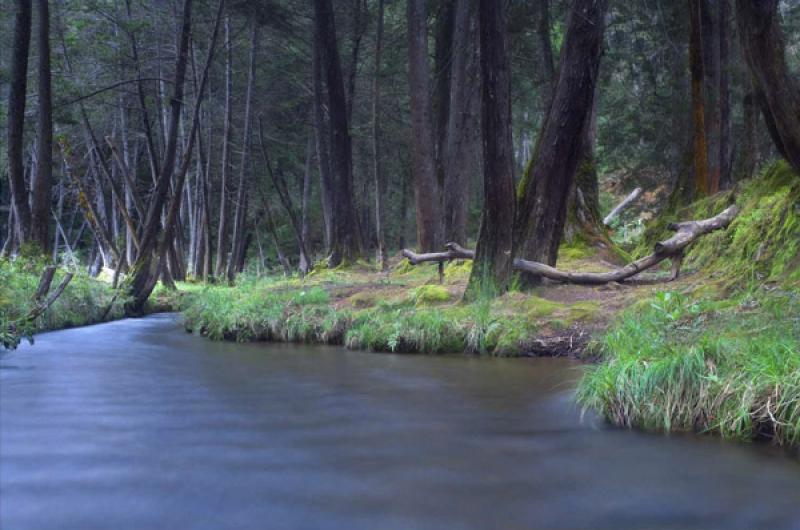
pixel 138 425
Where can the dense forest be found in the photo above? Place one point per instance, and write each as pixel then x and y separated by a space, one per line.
pixel 201 139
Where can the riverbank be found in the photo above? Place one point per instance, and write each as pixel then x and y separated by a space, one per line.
pixel 722 358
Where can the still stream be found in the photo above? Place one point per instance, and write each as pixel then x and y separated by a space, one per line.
pixel 137 425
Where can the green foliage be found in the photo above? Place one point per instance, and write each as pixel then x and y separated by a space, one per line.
pixel 728 366
pixel 84 301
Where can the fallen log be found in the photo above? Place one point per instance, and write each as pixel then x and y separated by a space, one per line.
pixel 672 248
pixel 621 206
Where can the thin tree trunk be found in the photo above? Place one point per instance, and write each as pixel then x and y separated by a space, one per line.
pixel 41 187
pixel 237 245
pixel 426 187
pixel 377 173
pixel 725 180
pixel 699 149
pixel 322 147
pixel 16 119
pixel 544 189
pixel 222 229
pixel 491 270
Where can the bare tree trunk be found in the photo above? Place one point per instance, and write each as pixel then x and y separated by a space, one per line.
pixel 461 141
pixel 749 150
pixel 237 245
pixel 763 46
pixel 709 28
pixel 345 244
pixel 16 119
pixel 699 153
pixel 725 179
pixel 222 229
pixel 544 188
pixel 377 173
pixel 322 148
pixel 147 267
pixel 304 226
pixel 426 188
pixel 491 270
pixel 42 184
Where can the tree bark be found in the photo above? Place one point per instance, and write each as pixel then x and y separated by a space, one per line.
pixel 222 228
pixel 41 187
pixel 345 244
pixel 426 188
pixel 725 179
pixel 700 147
pixel 461 142
pixel 16 119
pixel 237 246
pixel 378 177
pixel 491 270
pixel 544 189
pixel 321 146
pixel 763 46
pixel 147 267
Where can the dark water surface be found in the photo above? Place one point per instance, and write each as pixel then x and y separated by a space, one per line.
pixel 137 425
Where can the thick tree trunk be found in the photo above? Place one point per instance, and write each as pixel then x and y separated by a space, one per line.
pixel 222 228
pixel 462 142
pixel 749 151
pixel 237 245
pixel 345 244
pixel 491 270
pixel 709 26
pixel 700 147
pixel 42 184
pixel 763 46
pixel 16 119
pixel 426 188
pixel 544 189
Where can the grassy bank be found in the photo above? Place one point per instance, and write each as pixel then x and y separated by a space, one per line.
pixel 405 310
pixel 721 355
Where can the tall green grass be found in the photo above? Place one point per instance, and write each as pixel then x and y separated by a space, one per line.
pixel 729 366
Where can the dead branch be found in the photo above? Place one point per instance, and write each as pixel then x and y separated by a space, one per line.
pixel 672 248
pixel 621 206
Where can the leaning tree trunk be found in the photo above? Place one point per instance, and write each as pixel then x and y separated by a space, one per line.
pixel 345 245
pixel 426 187
pixel 544 188
pixel 146 268
pixel 763 46
pixel 491 270
pixel 16 119
pixel 41 187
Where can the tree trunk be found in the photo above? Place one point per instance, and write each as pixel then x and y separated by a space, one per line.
pixel 16 119
pixel 147 267
pixel 321 135
pixel 763 46
pixel 749 150
pixel 491 270
pixel 377 174
pixel 699 149
pixel 42 184
pixel 222 229
pixel 544 188
pixel 426 188
pixel 725 180
pixel 461 141
pixel 237 245
pixel 345 243
pixel 709 27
